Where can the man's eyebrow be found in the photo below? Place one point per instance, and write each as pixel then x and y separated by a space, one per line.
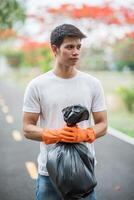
pixel 73 44
pixel 70 44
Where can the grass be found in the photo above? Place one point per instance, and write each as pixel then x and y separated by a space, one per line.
pixel 123 121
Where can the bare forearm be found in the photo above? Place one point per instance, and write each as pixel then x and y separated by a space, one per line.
pixel 33 132
pixel 100 129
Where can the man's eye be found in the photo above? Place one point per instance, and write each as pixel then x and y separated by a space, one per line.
pixel 79 47
pixel 70 47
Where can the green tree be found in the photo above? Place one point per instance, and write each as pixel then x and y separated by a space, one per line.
pixel 124 54
pixel 11 11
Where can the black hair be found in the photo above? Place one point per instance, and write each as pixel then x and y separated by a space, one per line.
pixel 63 31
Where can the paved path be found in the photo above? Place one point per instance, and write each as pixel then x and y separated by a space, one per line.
pixel 114 171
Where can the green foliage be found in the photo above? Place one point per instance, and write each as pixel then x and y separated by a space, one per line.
pixel 40 57
pixel 15 58
pixel 11 11
pixel 127 95
pixel 124 54
pixel 121 65
pixel 45 62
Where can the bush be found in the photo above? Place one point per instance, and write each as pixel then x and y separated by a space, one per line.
pixel 127 95
pixel 40 57
pixel 123 52
pixel 14 58
pixel 46 61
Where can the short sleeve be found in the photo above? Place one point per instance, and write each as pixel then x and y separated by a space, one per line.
pixel 98 101
pixel 31 101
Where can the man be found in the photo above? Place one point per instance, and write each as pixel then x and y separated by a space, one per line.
pixel 48 94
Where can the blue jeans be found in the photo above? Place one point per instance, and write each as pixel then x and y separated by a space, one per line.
pixel 46 191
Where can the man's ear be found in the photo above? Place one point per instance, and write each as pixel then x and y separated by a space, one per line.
pixel 54 49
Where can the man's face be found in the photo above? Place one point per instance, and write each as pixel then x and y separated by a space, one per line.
pixel 69 51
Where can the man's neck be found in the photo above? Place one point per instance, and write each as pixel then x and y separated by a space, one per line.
pixel 65 71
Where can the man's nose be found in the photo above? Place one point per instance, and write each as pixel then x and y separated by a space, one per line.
pixel 76 51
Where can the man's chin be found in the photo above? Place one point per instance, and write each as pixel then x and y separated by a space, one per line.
pixel 74 63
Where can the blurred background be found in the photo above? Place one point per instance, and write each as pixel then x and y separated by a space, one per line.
pixel 107 53
pixel 108 50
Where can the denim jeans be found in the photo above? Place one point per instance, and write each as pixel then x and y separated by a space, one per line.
pixel 46 191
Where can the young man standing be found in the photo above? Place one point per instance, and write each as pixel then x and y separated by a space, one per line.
pixel 48 94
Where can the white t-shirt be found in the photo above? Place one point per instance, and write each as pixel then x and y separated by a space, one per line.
pixel 48 94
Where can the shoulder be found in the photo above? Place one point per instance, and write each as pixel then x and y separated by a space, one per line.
pixel 40 80
pixel 91 79
pixel 92 82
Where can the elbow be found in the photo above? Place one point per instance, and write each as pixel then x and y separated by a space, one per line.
pixel 26 133
pixel 105 129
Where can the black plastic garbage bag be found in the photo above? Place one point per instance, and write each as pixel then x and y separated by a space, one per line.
pixel 71 169
pixel 71 166
pixel 75 114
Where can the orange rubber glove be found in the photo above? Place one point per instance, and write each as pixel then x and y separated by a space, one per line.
pixel 81 135
pixel 54 136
